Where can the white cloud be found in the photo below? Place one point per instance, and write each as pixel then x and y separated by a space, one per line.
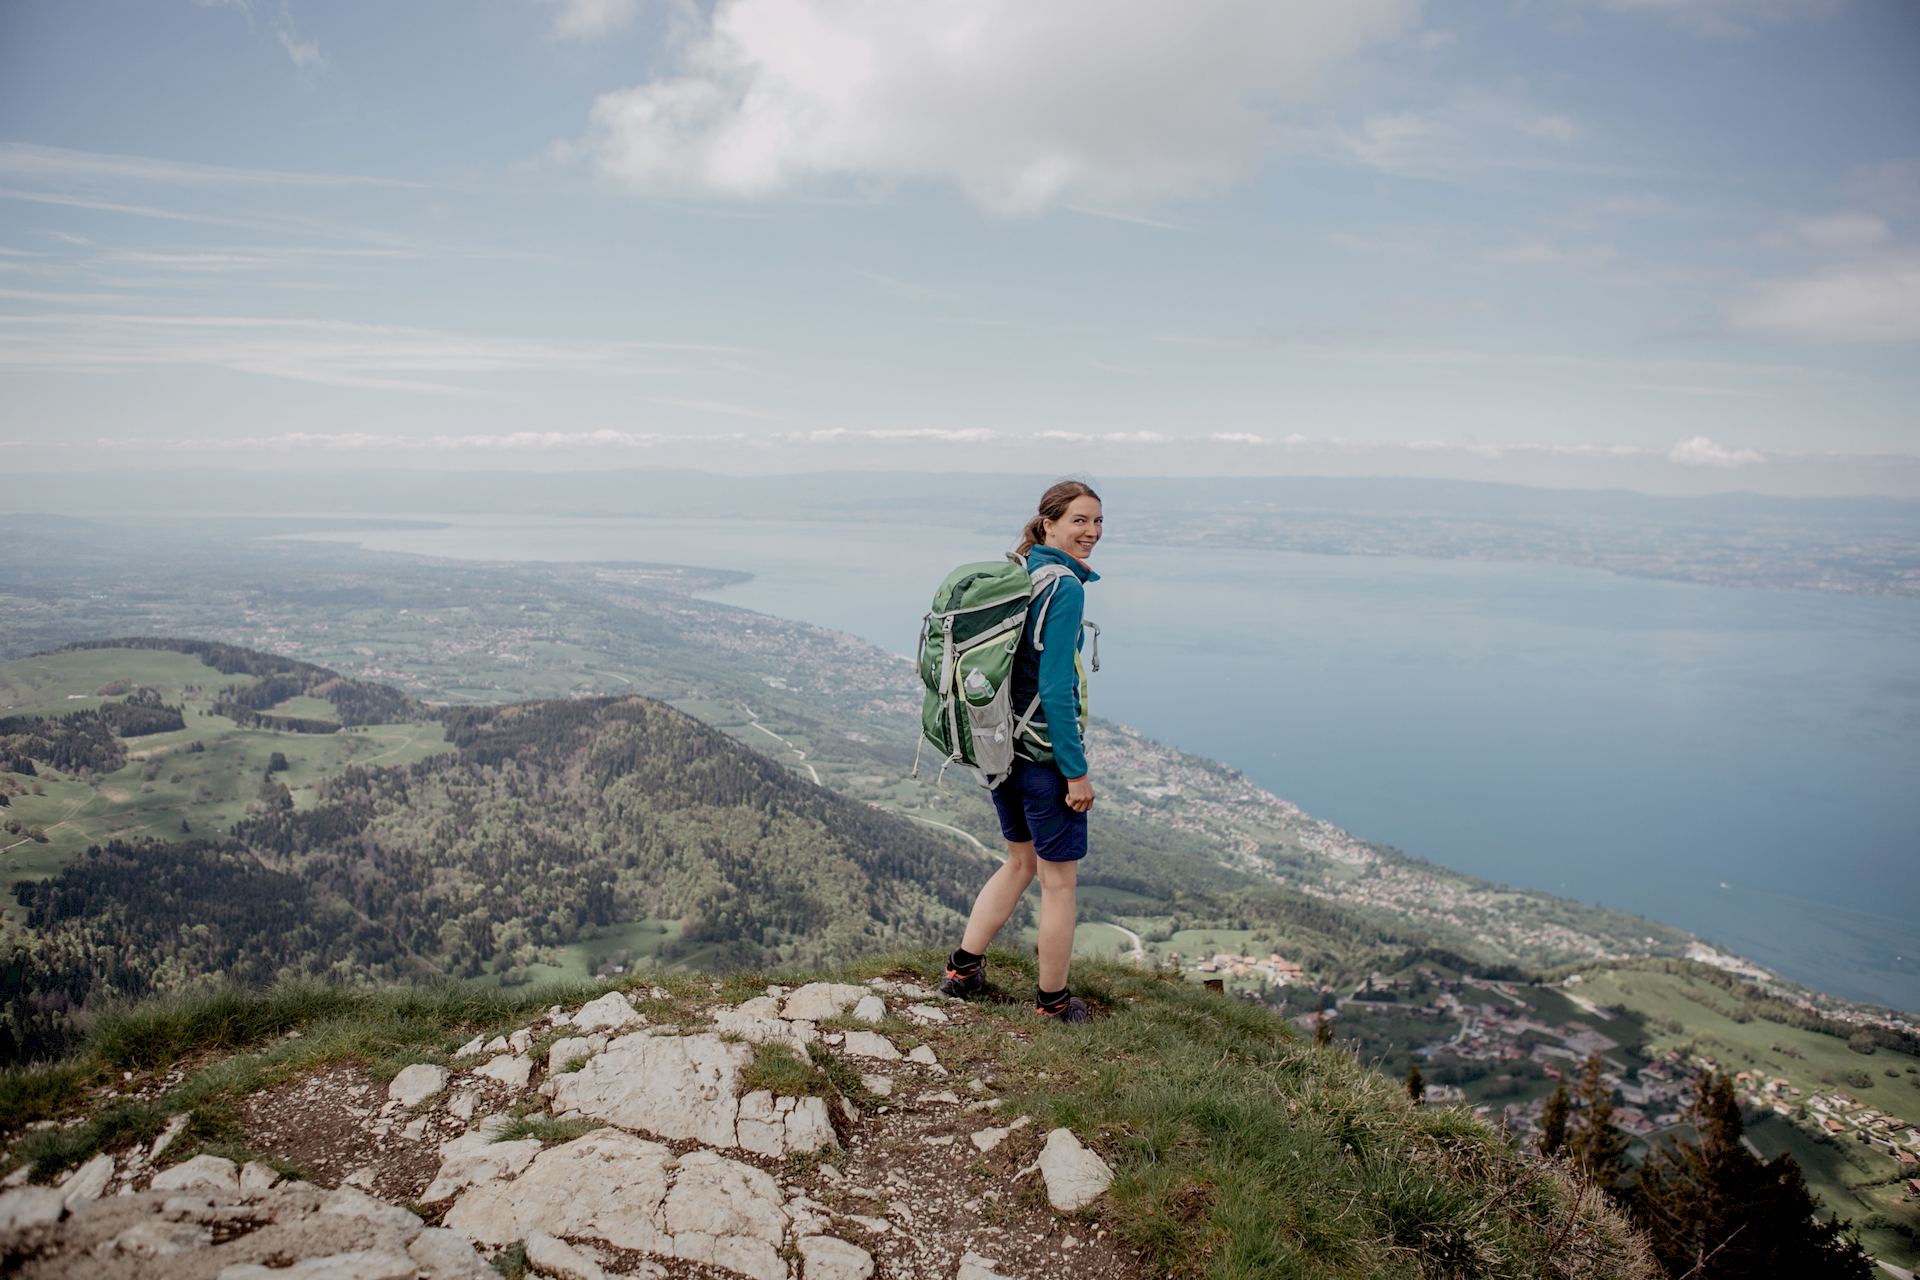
pixel 1699 451
pixel 334 353
pixel 1877 300
pixel 591 19
pixel 305 53
pixel 1020 104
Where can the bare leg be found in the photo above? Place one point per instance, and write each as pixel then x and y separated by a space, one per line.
pixel 1057 881
pixel 999 896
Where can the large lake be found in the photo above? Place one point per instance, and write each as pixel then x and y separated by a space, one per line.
pixel 1745 764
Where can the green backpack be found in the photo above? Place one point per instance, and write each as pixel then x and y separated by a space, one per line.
pixel 968 642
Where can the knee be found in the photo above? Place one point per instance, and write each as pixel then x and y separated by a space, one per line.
pixel 1056 876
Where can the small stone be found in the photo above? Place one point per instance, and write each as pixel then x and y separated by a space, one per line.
pixel 609 1013
pixel 445 1256
pixel 30 1207
pixel 557 1258
pixel 520 1041
pixel 471 1047
pixel 659 993
pixel 879 1085
pixel 945 1140
pixel 945 1095
pixel 775 992
pixel 360 1264
pixel 462 1105
pixel 257 1175
pixel 497 1045
pixel 819 1000
pixel 760 1007
pixel 416 1083
pixel 871 1044
pixel 1076 1177
pixel 923 1054
pixel 977 1085
pixel 870 1009
pixel 927 1013
pixel 201 1171
pixel 89 1181
pixel 512 1071
pixel 829 1258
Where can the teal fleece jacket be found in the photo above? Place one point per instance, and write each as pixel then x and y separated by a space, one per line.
pixel 1050 670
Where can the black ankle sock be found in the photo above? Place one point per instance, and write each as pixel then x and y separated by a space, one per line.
pixel 1053 999
pixel 963 961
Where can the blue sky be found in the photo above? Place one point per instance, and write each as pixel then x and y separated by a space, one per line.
pixel 1663 243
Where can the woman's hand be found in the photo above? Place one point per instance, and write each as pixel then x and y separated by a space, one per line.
pixel 1080 793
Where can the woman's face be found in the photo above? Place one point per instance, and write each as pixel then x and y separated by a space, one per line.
pixel 1078 529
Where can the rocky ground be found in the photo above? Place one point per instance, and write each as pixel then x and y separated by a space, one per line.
pixel 830 1132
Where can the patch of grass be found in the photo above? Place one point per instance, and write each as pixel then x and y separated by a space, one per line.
pixel 512 1263
pixel 39 1092
pixel 1240 1150
pixel 545 1128
pixel 782 1072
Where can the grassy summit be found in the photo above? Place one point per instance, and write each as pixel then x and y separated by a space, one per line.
pixel 1240 1149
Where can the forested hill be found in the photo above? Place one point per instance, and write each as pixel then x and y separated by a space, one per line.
pixel 276 679
pixel 543 821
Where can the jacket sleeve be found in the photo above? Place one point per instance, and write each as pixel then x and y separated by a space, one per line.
pixel 1059 679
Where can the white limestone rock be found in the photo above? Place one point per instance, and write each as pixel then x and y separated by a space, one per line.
pixel 927 1013
pixel 871 1044
pixel 443 1255
pixel 89 1181
pixel 830 1258
pixel 574 1049
pixel 988 1139
pixel 609 1013
pixel 672 1086
pixel 1076 1177
pixel 923 1054
pixel 521 1040
pixel 474 1158
pixel 870 1009
pixel 727 1214
pixel 756 1030
pixel 258 1175
pixel 878 1085
pixel 417 1083
pixel 819 1000
pixel 30 1207
pixel 773 1126
pixel 767 1006
pixel 176 1125
pixel 975 1267
pixel 557 1258
pixel 606 1186
pixel 351 1202
pixel 472 1048
pixel 512 1071
pixel 201 1171
pixel 360 1264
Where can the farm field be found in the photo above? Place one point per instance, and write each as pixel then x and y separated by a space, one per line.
pixel 193 781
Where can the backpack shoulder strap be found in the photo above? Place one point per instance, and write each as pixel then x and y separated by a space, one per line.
pixel 1046 578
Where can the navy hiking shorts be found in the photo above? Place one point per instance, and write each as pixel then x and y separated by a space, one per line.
pixel 1033 806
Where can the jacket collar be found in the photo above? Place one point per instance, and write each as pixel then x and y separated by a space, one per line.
pixel 1043 554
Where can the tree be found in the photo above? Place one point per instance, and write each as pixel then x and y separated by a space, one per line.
pixel 1715 1211
pixel 1553 1121
pixel 1595 1146
pixel 1416 1084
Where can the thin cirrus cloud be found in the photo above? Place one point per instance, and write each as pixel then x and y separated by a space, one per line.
pixel 1872 301
pixel 334 353
pixel 1020 105
pixel 591 19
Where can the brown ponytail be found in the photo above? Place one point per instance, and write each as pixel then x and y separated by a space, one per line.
pixel 1053 505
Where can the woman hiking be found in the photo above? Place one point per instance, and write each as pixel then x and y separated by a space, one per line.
pixel 1043 806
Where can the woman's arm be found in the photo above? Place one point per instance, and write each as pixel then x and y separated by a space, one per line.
pixel 1060 680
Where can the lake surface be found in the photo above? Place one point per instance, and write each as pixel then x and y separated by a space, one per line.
pixel 1744 764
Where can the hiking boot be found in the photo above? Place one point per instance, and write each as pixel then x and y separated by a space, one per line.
pixel 964 986
pixel 1074 1010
